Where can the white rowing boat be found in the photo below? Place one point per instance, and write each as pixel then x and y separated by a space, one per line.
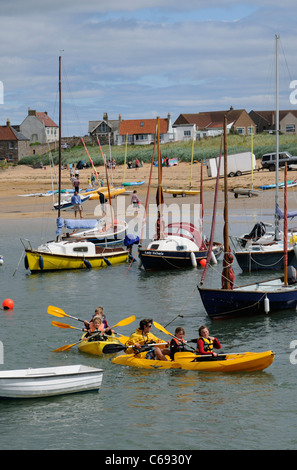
pixel 49 381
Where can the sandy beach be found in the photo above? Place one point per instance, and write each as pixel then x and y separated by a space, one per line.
pixel 17 181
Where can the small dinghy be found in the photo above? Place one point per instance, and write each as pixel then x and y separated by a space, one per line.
pixel 49 381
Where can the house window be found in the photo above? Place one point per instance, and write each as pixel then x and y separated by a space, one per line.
pixel 11 146
pixel 141 137
pixel 240 130
pixel 290 128
pixel 187 133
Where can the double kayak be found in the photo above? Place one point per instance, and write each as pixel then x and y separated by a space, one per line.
pixel 238 362
pixel 111 346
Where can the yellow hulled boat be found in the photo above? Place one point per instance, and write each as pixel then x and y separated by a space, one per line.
pixel 240 362
pixel 53 256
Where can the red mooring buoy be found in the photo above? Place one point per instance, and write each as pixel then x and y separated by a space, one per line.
pixel 8 304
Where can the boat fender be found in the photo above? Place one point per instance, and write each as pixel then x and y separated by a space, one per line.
pixel 41 262
pixel 266 305
pixel 107 262
pixel 193 259
pixel 26 262
pixel 295 249
pixel 213 258
pixel 292 275
pixel 87 264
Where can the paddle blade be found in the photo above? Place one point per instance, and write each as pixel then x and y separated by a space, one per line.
pixel 62 325
pixel 113 348
pixel 125 321
pixel 161 328
pixel 64 348
pixel 56 311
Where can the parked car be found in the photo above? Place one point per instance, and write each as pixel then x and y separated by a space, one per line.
pixel 65 146
pixel 269 160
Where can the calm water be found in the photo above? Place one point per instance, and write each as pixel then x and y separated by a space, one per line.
pixel 138 409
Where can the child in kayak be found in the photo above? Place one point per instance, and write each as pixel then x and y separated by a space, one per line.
pixel 177 344
pixel 96 329
pixel 99 311
pixel 143 336
pixel 206 343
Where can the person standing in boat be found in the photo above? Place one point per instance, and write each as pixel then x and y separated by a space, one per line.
pixel 177 344
pixel 77 206
pixel 206 343
pixel 143 336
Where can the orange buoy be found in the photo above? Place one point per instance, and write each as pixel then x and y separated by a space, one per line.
pixel 203 263
pixel 8 304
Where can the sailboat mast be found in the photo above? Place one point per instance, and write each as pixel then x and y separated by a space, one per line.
pixel 60 122
pixel 226 208
pixel 276 135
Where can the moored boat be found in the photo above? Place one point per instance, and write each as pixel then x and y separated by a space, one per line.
pixel 181 246
pixel 49 381
pixel 53 256
pixel 239 362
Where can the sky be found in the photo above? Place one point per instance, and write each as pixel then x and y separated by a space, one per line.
pixel 143 59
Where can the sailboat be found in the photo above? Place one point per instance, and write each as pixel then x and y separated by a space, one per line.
pixel 262 250
pixel 232 301
pixel 68 254
pixel 179 245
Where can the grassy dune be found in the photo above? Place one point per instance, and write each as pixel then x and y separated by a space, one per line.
pixel 206 148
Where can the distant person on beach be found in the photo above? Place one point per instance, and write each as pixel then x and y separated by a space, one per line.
pixel 102 202
pixel 76 201
pixel 136 163
pixel 93 180
pixel 134 200
pixel 76 183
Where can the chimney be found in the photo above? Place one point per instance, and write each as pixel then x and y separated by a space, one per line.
pixel 31 112
pixel 105 117
pixel 7 122
pixel 120 117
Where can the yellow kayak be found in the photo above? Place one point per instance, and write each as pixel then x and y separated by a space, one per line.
pixel 182 192
pixel 96 348
pixel 240 362
pixel 113 193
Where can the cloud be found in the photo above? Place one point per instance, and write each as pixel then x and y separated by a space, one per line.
pixel 166 56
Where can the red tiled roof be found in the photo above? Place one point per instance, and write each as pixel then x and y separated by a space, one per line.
pixel 142 126
pixel 6 133
pixel 46 120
